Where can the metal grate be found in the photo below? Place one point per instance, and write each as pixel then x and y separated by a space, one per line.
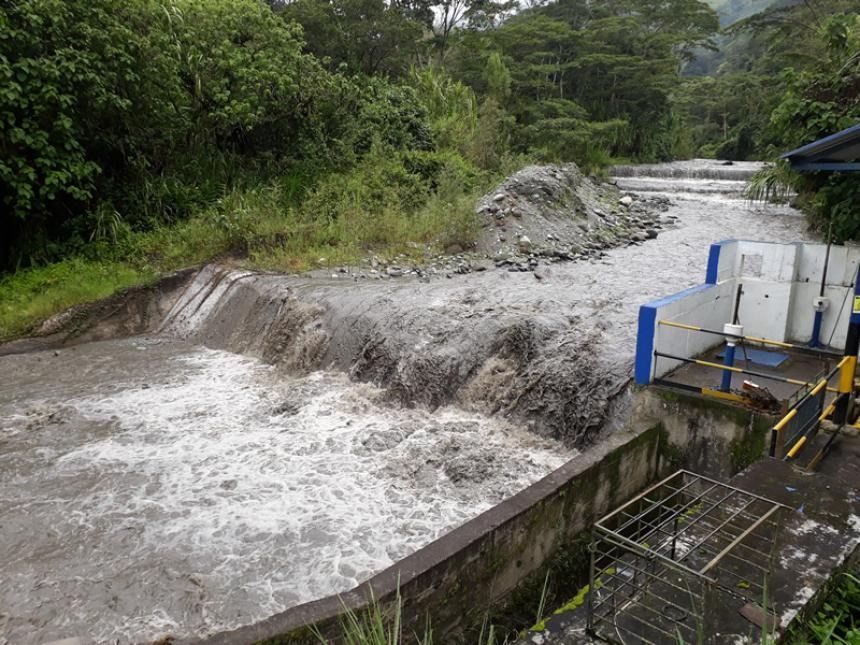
pixel 666 565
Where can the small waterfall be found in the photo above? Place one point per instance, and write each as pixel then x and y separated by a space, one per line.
pixel 698 176
pixel 692 169
pixel 248 313
pixel 200 299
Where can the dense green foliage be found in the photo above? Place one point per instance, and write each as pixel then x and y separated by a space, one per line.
pixel 784 77
pixel 129 115
pixel 282 131
pixel 819 101
pixel 739 110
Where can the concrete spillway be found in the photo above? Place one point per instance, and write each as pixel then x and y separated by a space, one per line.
pixel 281 439
pixel 698 176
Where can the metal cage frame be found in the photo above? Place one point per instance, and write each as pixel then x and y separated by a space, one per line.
pixel 667 564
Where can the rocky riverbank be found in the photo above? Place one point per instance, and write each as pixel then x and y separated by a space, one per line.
pixel 538 216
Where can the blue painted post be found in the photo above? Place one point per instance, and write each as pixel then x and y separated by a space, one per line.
pixel 733 333
pixel 729 362
pixel 816 329
pixel 644 365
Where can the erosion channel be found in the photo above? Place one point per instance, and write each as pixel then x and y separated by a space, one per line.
pixel 274 439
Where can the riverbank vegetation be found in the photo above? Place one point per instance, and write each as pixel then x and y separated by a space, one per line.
pixel 837 622
pixel 140 136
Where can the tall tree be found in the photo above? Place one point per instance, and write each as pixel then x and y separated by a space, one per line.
pixel 366 36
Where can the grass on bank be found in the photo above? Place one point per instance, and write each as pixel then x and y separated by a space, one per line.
pixel 837 622
pixel 377 208
pixel 29 297
pixel 383 625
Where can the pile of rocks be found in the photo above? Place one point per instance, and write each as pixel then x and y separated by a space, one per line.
pixel 556 213
pixel 538 216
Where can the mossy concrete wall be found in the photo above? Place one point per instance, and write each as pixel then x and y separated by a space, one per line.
pixel 705 435
pixel 477 569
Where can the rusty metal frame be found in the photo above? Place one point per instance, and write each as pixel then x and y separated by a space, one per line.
pixel 662 563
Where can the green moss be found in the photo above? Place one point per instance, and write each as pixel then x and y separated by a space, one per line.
pixel 574 603
pixel 736 414
pixel 749 448
pixel 744 450
pixel 671 454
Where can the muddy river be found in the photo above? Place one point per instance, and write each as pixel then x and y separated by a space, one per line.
pixel 154 486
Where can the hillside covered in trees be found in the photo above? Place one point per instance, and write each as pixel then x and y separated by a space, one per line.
pixel 143 135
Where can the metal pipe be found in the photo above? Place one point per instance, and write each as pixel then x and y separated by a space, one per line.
pixel 746 563
pixel 647 574
pixel 738 370
pixel 641 551
pixel 737 308
pixel 816 329
pixel 751 339
pixel 660 503
pixel 644 494
pixel 777 429
pixel 738 539
pixel 636 634
pixel 819 307
pixel 796 448
pixel 640 619
pixel 726 383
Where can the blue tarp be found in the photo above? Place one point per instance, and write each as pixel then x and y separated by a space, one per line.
pixel 758 356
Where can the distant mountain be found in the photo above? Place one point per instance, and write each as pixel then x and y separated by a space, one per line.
pixel 730 11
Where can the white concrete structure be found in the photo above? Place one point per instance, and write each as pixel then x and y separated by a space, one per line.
pixel 780 286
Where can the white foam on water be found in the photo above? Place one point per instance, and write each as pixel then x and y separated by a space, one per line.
pixel 221 495
pixel 682 185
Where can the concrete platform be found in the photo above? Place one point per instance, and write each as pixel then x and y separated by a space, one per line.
pixel 803 367
pixel 819 538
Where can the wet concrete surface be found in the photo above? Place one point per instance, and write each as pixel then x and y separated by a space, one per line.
pixel 799 366
pixel 819 536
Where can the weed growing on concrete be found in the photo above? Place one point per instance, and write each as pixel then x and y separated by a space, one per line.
pixel 838 620
pixel 380 624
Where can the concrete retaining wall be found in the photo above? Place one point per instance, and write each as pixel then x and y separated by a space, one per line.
pixel 706 436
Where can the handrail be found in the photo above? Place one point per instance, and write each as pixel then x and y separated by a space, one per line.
pixel 804 438
pixel 738 370
pixel 753 339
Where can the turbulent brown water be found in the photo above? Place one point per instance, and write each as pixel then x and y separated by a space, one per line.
pixel 284 438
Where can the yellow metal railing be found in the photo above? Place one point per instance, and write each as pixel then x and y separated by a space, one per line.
pixel 845 369
pixel 752 339
pixel 738 370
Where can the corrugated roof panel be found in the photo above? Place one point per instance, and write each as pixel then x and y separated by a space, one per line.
pixel 840 151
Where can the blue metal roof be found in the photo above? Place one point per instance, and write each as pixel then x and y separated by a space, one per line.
pixel 838 152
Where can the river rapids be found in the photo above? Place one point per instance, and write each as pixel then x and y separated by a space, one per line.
pixel 281 439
